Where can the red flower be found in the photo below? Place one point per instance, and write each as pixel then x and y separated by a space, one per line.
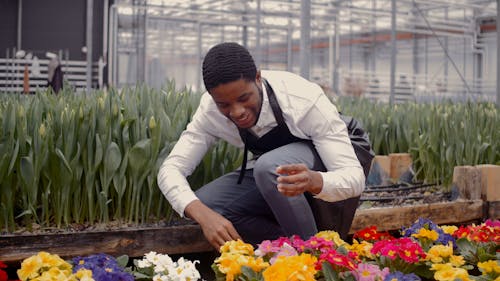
pixel 479 233
pixel 3 274
pixel 370 234
pixel 338 261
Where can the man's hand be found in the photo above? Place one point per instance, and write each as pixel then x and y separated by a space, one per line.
pixel 296 179
pixel 216 228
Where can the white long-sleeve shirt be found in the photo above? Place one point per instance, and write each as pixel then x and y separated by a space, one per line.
pixel 308 113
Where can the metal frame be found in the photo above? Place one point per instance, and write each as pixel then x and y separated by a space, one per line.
pixel 311 38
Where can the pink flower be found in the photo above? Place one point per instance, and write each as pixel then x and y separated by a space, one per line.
pixel 282 240
pixel 404 248
pixel 318 243
pixel 285 251
pixel 298 243
pixel 266 247
pixel 369 272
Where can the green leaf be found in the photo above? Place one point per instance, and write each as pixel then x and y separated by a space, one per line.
pixel 330 274
pixel 139 154
pixel 122 260
pixel 27 171
pixel 61 156
pixel 26 212
pixel 98 151
pixel 14 157
pixel 250 275
pixel 112 159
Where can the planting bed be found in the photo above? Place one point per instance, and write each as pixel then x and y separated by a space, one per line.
pixel 404 194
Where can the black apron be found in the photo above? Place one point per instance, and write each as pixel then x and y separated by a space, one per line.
pixel 336 216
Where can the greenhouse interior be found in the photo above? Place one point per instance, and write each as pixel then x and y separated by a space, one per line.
pixel 103 152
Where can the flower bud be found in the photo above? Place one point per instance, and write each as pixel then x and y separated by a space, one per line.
pixel 20 112
pixel 42 130
pixel 100 102
pixel 152 123
pixel 115 110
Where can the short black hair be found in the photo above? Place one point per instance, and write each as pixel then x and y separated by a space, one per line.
pixel 227 62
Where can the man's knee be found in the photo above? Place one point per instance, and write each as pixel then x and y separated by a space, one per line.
pixel 265 169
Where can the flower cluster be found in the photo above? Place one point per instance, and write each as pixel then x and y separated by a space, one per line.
pixel 422 251
pixel 45 266
pixel 161 267
pixel 103 267
pixel 428 233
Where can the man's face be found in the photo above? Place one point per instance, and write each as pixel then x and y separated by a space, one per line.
pixel 240 101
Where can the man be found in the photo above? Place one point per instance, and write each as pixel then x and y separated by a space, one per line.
pixel 301 145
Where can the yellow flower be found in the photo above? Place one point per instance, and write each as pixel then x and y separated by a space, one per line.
pixel 84 275
pixel 449 229
pixel 52 260
pixel 44 266
pixel 56 274
pixel 30 268
pixel 258 264
pixel 332 236
pixel 490 266
pixel 437 253
pixel 447 272
pixel 426 233
pixel 292 268
pixel 457 260
pixel 237 247
pixel 230 264
pixel 363 249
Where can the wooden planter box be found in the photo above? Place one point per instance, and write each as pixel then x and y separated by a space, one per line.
pixel 189 238
pixel 394 218
pixel 131 242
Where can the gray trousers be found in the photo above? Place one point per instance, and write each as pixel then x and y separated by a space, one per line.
pixel 255 207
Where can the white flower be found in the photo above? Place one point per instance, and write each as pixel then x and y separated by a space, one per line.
pixel 166 269
pixel 151 257
pixel 143 263
pixel 185 270
pixel 163 264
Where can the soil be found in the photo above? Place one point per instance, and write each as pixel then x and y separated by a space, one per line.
pixel 404 194
pixel 96 227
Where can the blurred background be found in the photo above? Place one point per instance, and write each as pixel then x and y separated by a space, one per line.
pixel 384 50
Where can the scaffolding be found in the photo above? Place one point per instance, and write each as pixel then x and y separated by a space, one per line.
pixel 382 49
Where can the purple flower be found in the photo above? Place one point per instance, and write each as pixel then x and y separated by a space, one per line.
pixel 443 238
pixel 400 276
pixel 104 268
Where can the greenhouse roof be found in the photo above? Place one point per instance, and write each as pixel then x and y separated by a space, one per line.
pixel 219 19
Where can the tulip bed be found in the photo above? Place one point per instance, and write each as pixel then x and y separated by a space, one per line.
pixel 76 160
pixel 422 251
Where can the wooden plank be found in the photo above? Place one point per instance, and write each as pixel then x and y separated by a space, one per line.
pixel 400 163
pixel 467 180
pixel 440 213
pixel 490 182
pixel 134 243
pixel 186 239
pixel 494 210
